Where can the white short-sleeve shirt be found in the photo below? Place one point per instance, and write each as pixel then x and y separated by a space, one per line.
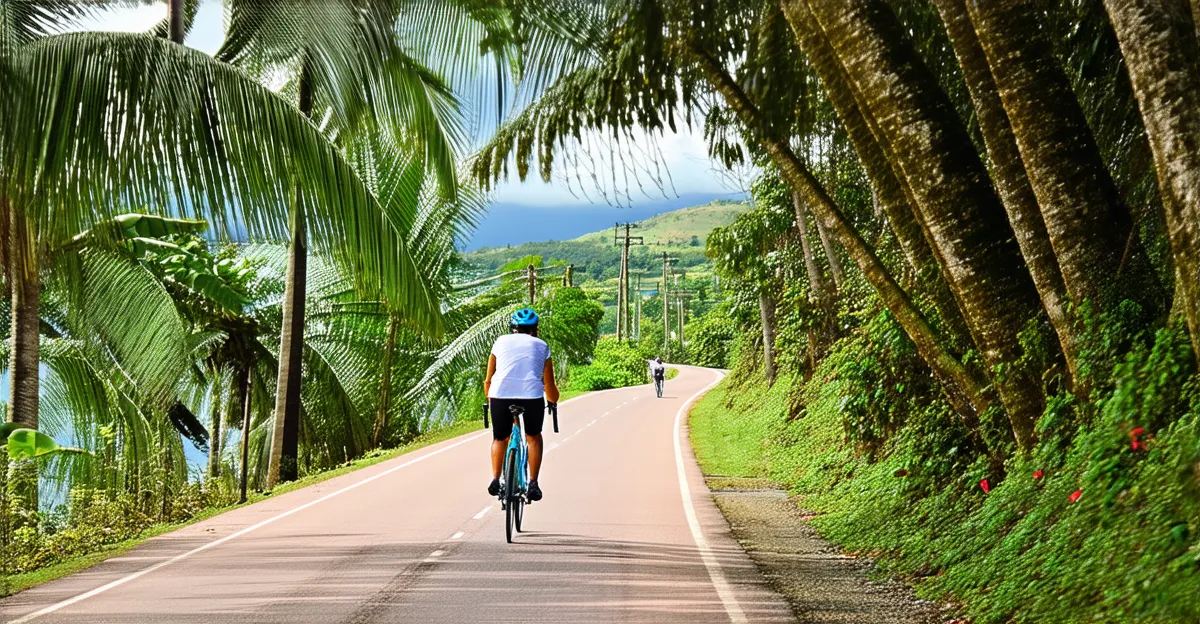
pixel 520 363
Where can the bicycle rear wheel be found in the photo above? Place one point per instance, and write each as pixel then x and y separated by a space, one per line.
pixel 511 515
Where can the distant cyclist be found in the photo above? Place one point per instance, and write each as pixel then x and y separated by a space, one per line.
pixel 659 372
pixel 520 372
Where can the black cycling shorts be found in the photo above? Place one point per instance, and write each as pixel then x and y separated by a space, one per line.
pixel 535 415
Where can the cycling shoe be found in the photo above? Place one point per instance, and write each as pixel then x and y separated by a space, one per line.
pixel 535 492
pixel 494 487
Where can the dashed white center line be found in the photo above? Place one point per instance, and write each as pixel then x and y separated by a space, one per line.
pixel 482 513
pixel 457 535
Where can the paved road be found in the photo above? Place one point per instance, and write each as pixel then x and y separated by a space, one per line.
pixel 627 533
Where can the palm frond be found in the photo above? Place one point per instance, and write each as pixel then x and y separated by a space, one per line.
pixel 117 119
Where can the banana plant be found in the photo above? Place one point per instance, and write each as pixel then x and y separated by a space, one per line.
pixel 25 443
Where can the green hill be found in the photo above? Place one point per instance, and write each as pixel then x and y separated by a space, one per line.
pixel 679 227
pixel 682 233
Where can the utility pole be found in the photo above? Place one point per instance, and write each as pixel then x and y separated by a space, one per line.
pixel 569 276
pixel 666 302
pixel 623 320
pixel 532 277
pixel 681 299
pixel 679 306
pixel 637 305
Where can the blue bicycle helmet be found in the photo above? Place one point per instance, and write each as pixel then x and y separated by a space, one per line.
pixel 525 317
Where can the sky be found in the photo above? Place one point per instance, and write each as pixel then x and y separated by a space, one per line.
pixel 571 204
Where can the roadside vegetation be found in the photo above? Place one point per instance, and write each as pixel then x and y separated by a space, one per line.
pixel 231 274
pixel 963 308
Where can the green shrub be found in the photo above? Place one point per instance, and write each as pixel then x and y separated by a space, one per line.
pixel 1127 550
pixel 616 364
pixel 710 339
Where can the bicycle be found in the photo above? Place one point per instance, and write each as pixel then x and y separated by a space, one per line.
pixel 515 476
pixel 658 386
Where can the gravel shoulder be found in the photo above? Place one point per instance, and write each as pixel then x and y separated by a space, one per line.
pixel 821 584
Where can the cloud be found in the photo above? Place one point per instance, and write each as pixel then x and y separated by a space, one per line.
pixel 207 34
pixel 661 167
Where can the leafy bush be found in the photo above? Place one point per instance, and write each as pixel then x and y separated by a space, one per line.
pixel 571 324
pixel 1099 524
pixel 710 339
pixel 616 364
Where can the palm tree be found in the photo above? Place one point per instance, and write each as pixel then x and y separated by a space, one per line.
pixel 1159 43
pixel 226 149
pixel 1012 182
pixel 962 217
pixel 344 63
pixel 1090 228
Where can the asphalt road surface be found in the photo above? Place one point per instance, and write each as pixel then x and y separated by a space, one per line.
pixel 627 532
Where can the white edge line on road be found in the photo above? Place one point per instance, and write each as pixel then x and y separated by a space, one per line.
pixel 724 591
pixel 180 557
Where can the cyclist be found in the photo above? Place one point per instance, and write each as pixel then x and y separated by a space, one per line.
pixel 659 372
pixel 520 372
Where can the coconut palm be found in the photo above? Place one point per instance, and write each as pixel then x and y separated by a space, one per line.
pixel 105 125
pixel 344 67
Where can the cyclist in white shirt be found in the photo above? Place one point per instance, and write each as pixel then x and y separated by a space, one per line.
pixel 658 371
pixel 520 372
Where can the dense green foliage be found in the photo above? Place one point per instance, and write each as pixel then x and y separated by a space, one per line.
pixel 595 257
pixel 1098 525
pixel 711 340
pixel 616 364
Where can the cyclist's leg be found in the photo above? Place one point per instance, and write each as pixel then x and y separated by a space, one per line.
pixel 501 430
pixel 535 415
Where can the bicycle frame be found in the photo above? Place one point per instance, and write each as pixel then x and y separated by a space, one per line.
pixel 518 445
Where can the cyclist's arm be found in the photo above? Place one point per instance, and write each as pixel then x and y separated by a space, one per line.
pixel 548 381
pixel 487 381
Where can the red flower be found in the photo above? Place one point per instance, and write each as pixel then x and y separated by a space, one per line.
pixel 1134 442
pixel 983 483
pixel 1075 495
pixel 1037 475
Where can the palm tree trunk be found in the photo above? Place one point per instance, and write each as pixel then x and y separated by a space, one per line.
pixel 884 183
pixel 835 263
pixel 1159 42
pixel 966 393
pixel 890 188
pixel 964 219
pixel 286 437
pixel 1008 173
pixel 175 21
pixel 23 356
pixel 1087 223
pixel 766 307
pixel 243 399
pixel 220 404
pixel 385 381
pixel 1196 17
pixel 816 280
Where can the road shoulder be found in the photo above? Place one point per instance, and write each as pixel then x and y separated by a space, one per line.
pixel 820 582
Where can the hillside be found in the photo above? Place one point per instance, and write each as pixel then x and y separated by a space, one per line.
pixel 682 233
pixel 677 228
